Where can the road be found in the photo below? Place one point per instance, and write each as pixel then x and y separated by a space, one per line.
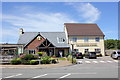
pixel 88 68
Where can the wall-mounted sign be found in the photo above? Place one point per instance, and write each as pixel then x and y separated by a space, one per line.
pixel 86 44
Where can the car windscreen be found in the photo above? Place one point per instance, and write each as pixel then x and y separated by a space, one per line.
pixel 118 52
pixel 93 53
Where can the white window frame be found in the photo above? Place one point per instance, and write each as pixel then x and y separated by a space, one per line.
pixel 86 39
pixel 60 40
pixel 74 39
pixel 97 39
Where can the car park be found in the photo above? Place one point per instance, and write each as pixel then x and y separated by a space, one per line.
pixel 90 55
pixel 116 55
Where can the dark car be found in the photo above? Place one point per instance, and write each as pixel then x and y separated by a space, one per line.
pixel 115 55
pixel 91 55
pixel 79 55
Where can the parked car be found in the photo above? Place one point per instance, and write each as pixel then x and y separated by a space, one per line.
pixel 115 55
pixel 79 55
pixel 91 55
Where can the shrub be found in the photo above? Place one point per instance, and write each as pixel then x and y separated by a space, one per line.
pixel 74 60
pixel 40 53
pixel 54 61
pixel 34 62
pixel 69 58
pixel 26 62
pixel 15 61
pixel 28 57
pixel 45 62
pixel 45 58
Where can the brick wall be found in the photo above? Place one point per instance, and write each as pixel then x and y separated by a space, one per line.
pixel 34 43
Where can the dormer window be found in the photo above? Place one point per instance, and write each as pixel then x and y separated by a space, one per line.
pixel 61 40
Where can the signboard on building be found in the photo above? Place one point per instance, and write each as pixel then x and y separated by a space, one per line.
pixel 86 45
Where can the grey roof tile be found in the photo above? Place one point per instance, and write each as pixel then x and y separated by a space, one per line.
pixel 51 36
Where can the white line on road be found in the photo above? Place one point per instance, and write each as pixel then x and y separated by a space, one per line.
pixel 109 61
pixel 40 76
pixel 87 61
pixel 116 61
pixel 95 62
pixel 102 61
pixel 13 75
pixel 65 75
pixel 79 62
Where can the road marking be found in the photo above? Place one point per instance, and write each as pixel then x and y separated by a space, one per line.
pixel 109 61
pixel 87 61
pixel 40 76
pixel 95 61
pixel 116 61
pixel 79 62
pixel 13 75
pixel 65 75
pixel 102 61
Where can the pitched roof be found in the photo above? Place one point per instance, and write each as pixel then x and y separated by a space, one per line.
pixel 83 29
pixel 51 36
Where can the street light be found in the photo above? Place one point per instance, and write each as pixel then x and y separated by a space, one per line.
pixel 71 42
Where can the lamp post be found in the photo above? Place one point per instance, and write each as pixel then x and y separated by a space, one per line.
pixel 72 52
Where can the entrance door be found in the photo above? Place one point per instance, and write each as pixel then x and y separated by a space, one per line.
pixel 61 53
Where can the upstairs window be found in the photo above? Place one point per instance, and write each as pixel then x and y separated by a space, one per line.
pixel 97 39
pixel 74 39
pixel 86 39
pixel 61 40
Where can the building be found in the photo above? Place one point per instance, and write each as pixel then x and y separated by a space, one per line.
pixel 53 43
pixel 10 49
pixel 85 37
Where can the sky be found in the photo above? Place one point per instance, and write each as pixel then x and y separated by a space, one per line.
pixel 51 16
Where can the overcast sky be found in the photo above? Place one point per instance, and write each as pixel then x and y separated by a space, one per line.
pixel 50 16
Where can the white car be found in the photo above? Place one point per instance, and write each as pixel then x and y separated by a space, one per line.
pixel 115 55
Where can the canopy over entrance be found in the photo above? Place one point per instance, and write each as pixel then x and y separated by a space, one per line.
pixel 48 47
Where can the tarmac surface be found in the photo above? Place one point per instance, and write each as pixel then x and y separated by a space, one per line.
pixel 103 68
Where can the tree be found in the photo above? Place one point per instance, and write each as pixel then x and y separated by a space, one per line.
pixel 118 44
pixel 111 44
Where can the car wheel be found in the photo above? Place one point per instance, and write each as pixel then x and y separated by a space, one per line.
pixel 118 58
pixel 113 56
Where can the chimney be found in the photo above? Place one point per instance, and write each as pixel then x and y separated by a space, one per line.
pixel 21 31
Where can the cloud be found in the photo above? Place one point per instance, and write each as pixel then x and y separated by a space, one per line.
pixel 87 11
pixel 39 22
pixel 35 22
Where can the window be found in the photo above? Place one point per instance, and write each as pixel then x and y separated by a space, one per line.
pixel 32 51
pixel 74 39
pixel 98 50
pixel 97 39
pixel 76 50
pixel 86 39
pixel 86 50
pixel 61 40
